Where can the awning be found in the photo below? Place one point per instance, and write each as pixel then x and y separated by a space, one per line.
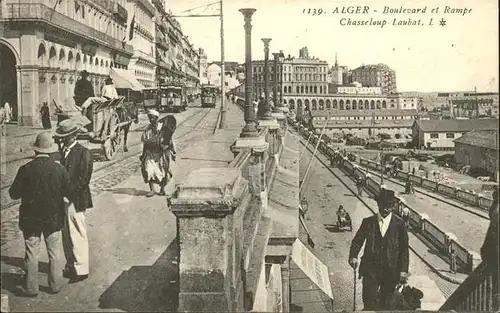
pixel 125 79
pixel 309 281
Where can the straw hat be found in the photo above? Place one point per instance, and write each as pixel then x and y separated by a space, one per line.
pixel 44 143
pixel 66 128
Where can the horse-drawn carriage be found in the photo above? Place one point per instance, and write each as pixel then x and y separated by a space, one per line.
pixel 105 122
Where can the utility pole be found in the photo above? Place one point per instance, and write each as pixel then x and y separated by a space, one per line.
pixel 223 74
pixel 222 124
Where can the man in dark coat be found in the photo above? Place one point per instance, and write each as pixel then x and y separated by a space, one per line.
pixel 83 89
pixel 78 161
pixel 386 256
pixel 42 185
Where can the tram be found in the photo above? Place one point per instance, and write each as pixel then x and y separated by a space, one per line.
pixel 208 96
pixel 171 97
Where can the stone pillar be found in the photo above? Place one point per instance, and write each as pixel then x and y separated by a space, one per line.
pixel 28 95
pixel 267 113
pixel 249 130
pixel 208 205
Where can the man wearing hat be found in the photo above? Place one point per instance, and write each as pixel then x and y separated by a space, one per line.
pixel 42 185
pixel 109 90
pixel 385 260
pixel 78 161
pixel 158 148
pixel 83 89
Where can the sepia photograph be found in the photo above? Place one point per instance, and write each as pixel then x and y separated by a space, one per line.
pixel 249 155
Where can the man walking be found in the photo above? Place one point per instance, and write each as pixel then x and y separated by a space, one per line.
pixel 42 185
pixel 78 161
pixel 386 256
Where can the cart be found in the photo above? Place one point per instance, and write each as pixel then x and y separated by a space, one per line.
pixel 105 126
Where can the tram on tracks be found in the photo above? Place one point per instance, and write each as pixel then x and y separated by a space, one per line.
pixel 208 96
pixel 171 97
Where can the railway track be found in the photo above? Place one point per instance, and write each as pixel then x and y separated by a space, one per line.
pixel 180 140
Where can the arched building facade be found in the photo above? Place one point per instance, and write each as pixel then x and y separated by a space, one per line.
pixel 50 54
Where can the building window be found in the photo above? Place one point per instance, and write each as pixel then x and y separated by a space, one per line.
pixel 434 135
pixel 450 135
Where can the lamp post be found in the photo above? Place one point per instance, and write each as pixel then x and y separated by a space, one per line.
pixel 275 85
pixel 249 130
pixel 267 113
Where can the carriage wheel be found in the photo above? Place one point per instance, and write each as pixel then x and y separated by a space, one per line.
pixel 113 140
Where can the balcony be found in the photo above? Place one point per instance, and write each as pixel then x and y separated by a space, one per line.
pixel 120 13
pixel 36 12
pixel 161 40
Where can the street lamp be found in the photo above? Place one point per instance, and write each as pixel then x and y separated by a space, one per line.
pixel 267 111
pixel 249 130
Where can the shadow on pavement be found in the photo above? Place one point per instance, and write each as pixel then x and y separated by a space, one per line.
pixel 146 288
pixel 12 281
pixel 333 228
pixel 128 191
pixel 43 267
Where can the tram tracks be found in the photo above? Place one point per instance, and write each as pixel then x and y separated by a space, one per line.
pixel 133 152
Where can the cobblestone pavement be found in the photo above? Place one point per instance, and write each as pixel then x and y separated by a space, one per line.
pixel 325 193
pixel 132 237
pixel 107 174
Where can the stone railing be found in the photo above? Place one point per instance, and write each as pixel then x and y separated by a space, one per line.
pixel 464 196
pixel 36 11
pixel 224 226
pixel 442 241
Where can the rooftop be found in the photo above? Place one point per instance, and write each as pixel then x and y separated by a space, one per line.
pixel 364 123
pixel 483 138
pixel 385 112
pixel 457 125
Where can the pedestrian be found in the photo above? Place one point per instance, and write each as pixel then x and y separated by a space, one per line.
pixel 453 261
pixel 8 112
pixel 83 89
pixel 158 147
pixel 3 118
pixel 45 112
pixel 385 260
pixel 360 185
pixel 109 90
pixel 413 171
pixel 43 187
pixel 405 216
pixel 78 161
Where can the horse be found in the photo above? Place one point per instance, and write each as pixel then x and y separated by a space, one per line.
pixel 128 112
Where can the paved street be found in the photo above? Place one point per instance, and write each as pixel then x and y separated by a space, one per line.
pixel 470 229
pixel 325 193
pixel 132 238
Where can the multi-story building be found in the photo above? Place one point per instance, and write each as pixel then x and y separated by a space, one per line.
pixel 475 105
pixel 379 75
pixel 300 76
pixel 142 36
pixel 177 59
pixel 337 73
pixel 203 66
pixel 45 44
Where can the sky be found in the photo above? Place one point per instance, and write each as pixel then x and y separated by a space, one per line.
pixel 459 56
